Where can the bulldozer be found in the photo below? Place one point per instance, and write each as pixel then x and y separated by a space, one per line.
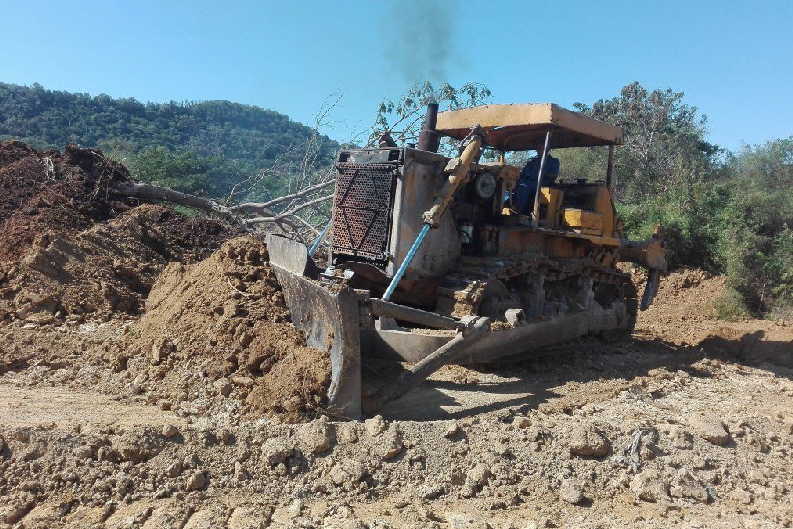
pixel 430 263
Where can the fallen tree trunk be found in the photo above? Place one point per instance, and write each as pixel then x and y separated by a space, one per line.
pixel 150 192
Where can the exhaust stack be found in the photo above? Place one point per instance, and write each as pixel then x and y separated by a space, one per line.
pixel 429 140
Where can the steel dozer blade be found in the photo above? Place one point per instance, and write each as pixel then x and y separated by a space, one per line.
pixel 330 321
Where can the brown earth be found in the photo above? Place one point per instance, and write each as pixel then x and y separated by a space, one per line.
pixel 650 432
pixel 226 316
pixel 68 250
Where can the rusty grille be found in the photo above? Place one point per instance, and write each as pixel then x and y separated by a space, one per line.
pixel 362 209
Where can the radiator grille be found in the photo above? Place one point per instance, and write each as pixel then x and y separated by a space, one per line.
pixel 362 209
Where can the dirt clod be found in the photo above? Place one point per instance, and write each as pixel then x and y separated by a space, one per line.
pixel 710 429
pixel 571 491
pixel 198 480
pixel 586 440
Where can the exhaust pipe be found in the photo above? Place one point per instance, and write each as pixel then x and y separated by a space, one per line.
pixel 429 140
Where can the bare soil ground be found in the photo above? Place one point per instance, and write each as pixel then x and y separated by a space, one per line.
pixel 183 416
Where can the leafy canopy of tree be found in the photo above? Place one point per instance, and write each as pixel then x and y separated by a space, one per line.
pixel 664 143
pixel 402 117
pixel 728 213
pixel 203 147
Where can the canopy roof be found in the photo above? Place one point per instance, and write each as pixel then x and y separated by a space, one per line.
pixel 521 127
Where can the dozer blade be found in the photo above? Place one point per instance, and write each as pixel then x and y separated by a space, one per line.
pixel 291 256
pixel 330 321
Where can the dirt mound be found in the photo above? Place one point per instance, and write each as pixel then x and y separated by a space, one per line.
pixel 683 314
pixel 683 296
pixel 227 317
pixel 50 191
pixel 69 250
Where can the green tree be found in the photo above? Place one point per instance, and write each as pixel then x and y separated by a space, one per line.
pixel 402 117
pixel 665 142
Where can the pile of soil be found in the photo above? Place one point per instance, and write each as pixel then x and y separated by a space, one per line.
pixel 226 316
pixel 52 191
pixel 685 295
pixel 70 250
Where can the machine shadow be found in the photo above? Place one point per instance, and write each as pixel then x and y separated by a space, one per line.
pixel 521 385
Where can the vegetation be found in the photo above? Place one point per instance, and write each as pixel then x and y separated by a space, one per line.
pixel 402 117
pixel 204 148
pixel 729 213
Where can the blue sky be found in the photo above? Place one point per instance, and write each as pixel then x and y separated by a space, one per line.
pixel 733 59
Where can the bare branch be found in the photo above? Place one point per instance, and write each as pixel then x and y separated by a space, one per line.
pixel 261 207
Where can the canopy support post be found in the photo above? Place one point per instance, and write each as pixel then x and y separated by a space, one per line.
pixel 536 209
pixel 610 168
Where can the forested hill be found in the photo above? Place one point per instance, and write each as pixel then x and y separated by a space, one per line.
pixel 196 146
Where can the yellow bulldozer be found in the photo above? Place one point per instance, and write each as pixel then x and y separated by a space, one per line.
pixel 430 260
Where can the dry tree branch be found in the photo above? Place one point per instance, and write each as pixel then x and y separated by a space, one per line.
pixel 291 212
pixel 259 207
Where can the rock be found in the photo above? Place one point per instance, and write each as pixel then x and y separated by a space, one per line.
pixel 160 350
pixel 174 469
pixel 501 449
pixel 711 429
pixel 295 509
pixel 347 433
pixel 649 486
pixel 242 381
pixel 349 472
pixel 453 430
pixel 431 492
pixel 317 437
pixel 250 517
pixel 375 426
pixel 521 422
pixel 390 445
pixel 169 431
pixel 84 452
pixel 477 477
pixel 197 481
pixel 571 491
pixel 338 475
pixel 223 386
pixel 686 485
pixel 276 451
pixel 587 441
pixel 515 317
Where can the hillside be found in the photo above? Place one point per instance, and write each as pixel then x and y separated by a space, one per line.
pixel 199 146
